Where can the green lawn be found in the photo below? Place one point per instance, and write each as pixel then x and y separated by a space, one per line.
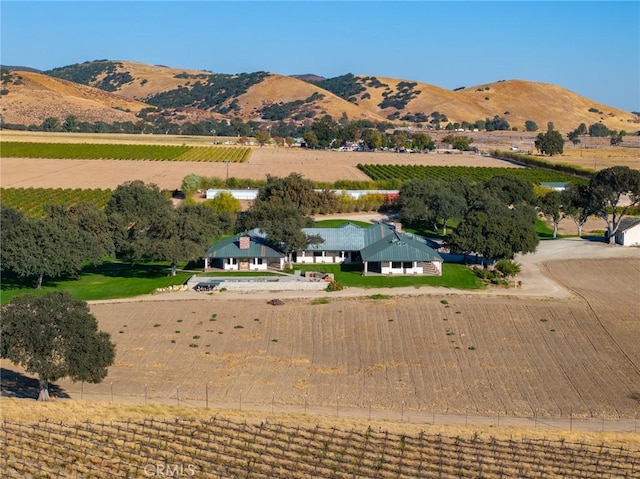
pixel 454 276
pixel 108 281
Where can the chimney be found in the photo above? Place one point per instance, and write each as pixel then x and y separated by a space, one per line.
pixel 245 242
pixel 397 226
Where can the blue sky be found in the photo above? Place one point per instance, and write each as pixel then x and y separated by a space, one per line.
pixel 591 48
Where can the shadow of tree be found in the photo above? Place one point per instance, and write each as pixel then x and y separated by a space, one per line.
pixel 17 385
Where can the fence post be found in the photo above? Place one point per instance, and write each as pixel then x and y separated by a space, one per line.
pixel 111 391
pixel 206 395
pixel 178 395
pixel 571 419
pixel 273 398
pixel 241 399
pixel 402 411
pixel 145 393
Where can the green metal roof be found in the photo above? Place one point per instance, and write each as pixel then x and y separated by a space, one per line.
pixel 347 237
pixel 399 247
pixel 230 248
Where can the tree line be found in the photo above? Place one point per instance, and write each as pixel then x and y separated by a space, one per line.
pixel 496 218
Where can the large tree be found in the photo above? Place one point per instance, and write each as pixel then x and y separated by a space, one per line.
pixel 295 189
pixel 577 204
pixel 510 190
pixel 60 243
pixel 607 188
pixel 421 142
pixel 549 143
pixel 188 233
pixel 55 336
pixel 138 212
pixel 495 236
pixel 552 206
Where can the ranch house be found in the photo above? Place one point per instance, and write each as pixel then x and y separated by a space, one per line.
pixel 243 252
pixel 380 248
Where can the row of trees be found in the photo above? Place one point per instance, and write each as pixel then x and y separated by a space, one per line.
pixel 139 223
pixel 497 217
pixel 601 197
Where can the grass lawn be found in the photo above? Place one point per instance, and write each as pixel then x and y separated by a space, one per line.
pixel 454 276
pixel 110 280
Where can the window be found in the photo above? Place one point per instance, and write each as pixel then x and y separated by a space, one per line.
pixel 396 264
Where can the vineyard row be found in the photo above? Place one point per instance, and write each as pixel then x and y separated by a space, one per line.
pixel 89 151
pixel 31 201
pixel 231 448
pixel 386 172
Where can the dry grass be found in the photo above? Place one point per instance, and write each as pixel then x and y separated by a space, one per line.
pixel 78 411
pixel 516 100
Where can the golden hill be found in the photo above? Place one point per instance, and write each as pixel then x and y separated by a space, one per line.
pixel 543 103
pixel 33 97
pixel 39 96
pixel 515 100
pixel 152 79
pixel 284 89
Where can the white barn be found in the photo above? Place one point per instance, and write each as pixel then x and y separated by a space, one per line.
pixel 628 233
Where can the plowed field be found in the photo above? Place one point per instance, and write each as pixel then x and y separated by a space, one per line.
pixel 478 354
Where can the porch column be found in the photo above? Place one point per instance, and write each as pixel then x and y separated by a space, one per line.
pixel 206 263
pixel 366 264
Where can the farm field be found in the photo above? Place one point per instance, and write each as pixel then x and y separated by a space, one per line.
pixel 85 151
pixel 328 166
pixel 450 353
pixel 244 446
pixel 475 173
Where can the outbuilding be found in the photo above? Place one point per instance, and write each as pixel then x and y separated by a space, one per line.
pixel 628 233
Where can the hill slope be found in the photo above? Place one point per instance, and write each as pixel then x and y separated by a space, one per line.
pixel 194 95
pixel 32 97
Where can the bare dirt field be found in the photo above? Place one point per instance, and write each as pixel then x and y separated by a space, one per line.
pixel 548 350
pixel 315 165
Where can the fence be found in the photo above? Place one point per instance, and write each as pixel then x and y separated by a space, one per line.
pixel 398 411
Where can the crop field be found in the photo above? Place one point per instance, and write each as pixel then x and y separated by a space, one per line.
pixel 99 151
pixel 226 448
pixel 31 201
pixel 453 354
pixel 477 173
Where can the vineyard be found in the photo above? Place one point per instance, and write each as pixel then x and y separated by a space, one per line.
pixel 31 201
pixel 226 448
pixel 475 173
pixel 79 151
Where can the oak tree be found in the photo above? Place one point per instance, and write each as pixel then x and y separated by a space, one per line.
pixel 55 336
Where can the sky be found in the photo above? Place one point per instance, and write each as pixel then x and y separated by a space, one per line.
pixel 589 47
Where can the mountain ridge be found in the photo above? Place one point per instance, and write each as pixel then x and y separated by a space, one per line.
pixel 91 90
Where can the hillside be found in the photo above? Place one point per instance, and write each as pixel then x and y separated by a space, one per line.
pixel 32 97
pixel 92 91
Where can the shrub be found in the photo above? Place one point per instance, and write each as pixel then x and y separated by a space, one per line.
pixel 334 286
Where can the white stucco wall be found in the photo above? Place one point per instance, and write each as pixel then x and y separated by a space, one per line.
pixel 631 237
